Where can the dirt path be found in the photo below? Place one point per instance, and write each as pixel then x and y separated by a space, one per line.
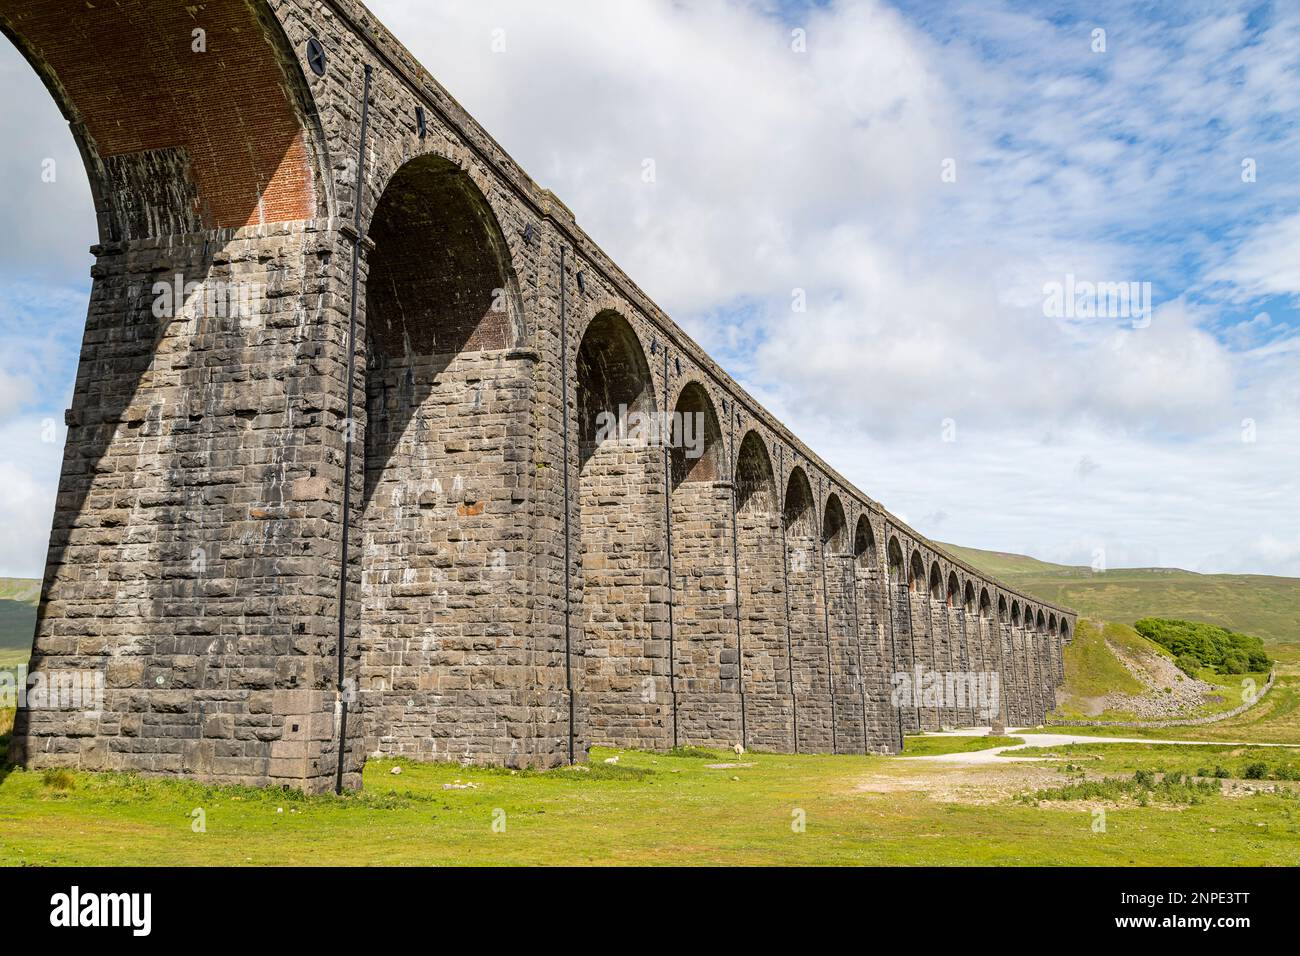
pixel 994 754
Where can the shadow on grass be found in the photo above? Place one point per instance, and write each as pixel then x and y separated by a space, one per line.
pixel 5 767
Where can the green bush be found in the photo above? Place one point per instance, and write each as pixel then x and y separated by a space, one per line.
pixel 1195 645
pixel 1255 771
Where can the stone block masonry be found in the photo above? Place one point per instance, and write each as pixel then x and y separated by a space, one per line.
pixel 522 581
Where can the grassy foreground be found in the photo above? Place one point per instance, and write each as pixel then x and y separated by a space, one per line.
pixel 648 809
pixel 925 745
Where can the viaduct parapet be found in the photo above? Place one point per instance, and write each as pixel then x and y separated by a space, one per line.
pixel 340 479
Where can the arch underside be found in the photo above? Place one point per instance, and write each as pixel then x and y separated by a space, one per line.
pixel 157 163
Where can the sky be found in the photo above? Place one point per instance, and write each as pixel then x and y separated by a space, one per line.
pixel 867 211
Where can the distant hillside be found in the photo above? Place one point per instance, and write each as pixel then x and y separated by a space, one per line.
pixel 1114 673
pixel 18 598
pixel 1257 604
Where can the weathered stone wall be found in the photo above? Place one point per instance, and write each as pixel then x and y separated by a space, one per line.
pixel 190 559
pixel 846 680
pixel 878 654
pixel 765 660
pixel 706 660
pixel 520 585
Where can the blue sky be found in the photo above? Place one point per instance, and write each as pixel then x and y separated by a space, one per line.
pixel 821 170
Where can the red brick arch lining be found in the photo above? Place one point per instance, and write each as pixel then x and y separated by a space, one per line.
pixel 175 140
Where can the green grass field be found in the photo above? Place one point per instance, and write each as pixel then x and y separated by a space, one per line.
pixel 929 745
pixel 18 597
pixel 1268 607
pixel 650 809
pixel 11 658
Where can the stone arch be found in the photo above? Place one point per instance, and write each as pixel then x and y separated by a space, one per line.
pixel 927 628
pixel 705 665
pixel 1013 659
pixel 954 590
pixel 986 604
pixel 1044 643
pixel 1056 649
pixel 1044 659
pixel 624 661
pixel 613 384
pixel 798 510
pixel 201 201
pixel 835 526
pixel 696 438
pixel 864 544
pixel 761 559
pixel 755 481
pixel 976 653
pixel 154 166
pixel 844 659
pixel 875 637
pixel 1065 629
pixel 916 573
pixel 902 573
pixel 807 620
pixel 433 296
pixel 463 299
pixel 440 484
pixel 895 561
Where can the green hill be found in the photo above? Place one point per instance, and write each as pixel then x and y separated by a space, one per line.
pixel 1100 685
pixel 1267 607
pixel 18 598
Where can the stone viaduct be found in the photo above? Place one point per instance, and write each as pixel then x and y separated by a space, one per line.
pixel 373 509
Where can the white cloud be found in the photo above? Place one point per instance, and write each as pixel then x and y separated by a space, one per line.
pixel 45 207
pixel 29 473
pixel 821 171
pixel 1266 263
